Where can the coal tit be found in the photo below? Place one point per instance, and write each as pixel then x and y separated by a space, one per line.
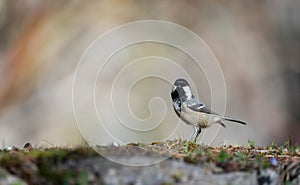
pixel 192 111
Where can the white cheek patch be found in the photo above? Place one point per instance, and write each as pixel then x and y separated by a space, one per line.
pixel 173 88
pixel 187 91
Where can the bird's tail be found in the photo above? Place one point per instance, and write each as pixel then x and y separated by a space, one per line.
pixel 234 120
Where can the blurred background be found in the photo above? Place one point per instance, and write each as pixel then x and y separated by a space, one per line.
pixel 257 44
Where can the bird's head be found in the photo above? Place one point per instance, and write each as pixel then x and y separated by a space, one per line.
pixel 181 90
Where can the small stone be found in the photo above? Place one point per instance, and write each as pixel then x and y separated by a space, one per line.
pixel 285 150
pixel 274 161
pixel 9 148
pixel 268 176
pixel 28 146
pixel 116 144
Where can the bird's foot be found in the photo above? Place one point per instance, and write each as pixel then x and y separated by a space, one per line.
pixel 190 146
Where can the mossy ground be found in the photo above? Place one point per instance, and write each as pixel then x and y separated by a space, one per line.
pixel 46 166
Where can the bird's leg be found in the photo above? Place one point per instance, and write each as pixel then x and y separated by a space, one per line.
pixel 193 139
pixel 196 133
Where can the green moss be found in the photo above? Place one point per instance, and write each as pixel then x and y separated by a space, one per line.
pixel 46 161
pixel 190 159
pixel 177 176
pixel 251 143
pixel 262 162
pixel 50 164
pixel 223 156
pixel 49 158
pixel 18 183
pixel 83 178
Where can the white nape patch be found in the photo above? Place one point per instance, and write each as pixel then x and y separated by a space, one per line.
pixel 187 91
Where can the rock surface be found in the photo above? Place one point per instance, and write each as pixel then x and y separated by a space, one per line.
pixel 8 179
pixel 170 172
pixel 156 163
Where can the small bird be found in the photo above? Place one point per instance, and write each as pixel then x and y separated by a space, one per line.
pixel 192 111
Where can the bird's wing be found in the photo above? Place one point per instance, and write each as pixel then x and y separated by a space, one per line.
pixel 199 107
pixel 177 105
